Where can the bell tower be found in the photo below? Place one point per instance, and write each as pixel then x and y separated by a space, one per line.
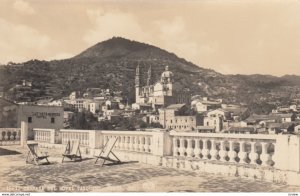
pixel 137 84
pixel 149 79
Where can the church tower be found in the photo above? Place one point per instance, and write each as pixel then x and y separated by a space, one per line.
pixel 167 81
pixel 149 79
pixel 137 84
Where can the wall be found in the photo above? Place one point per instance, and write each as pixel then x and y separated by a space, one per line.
pixel 41 117
pixel 159 148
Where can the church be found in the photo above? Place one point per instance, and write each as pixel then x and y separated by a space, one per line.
pixel 161 93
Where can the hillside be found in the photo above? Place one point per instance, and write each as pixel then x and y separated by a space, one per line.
pixel 112 63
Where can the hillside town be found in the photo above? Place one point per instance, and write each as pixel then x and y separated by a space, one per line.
pixel 158 104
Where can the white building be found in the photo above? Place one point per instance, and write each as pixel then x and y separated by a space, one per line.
pixel 215 122
pixel 95 107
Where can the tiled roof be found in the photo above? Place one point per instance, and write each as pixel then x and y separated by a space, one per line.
pixel 175 106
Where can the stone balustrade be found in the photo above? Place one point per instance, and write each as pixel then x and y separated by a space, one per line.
pixel 228 148
pixel 271 157
pixel 9 136
pixel 136 141
pixel 44 135
pixel 82 135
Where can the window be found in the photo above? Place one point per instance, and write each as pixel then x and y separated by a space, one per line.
pixel 29 120
pixel 52 120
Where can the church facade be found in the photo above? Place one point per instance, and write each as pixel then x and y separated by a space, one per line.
pixel 161 93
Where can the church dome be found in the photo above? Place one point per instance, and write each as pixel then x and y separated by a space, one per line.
pixel 167 73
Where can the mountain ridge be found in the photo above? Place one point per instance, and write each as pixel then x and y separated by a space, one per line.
pixel 112 63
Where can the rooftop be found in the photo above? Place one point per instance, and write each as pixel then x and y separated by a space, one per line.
pixel 175 106
pixel 127 177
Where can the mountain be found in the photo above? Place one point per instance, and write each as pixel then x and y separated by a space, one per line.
pixel 111 64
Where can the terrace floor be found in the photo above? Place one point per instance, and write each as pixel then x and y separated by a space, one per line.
pixel 16 175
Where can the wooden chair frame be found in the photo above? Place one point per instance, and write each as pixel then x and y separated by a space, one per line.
pixel 107 149
pixel 71 153
pixel 32 155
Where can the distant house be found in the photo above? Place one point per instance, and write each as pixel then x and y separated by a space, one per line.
pixel 261 120
pixel 297 130
pixel 275 128
pixel 224 114
pixel 242 130
pixel 206 105
pixel 205 129
pixel 287 117
pixel 127 113
pixel 238 114
pixel 215 122
pixel 175 117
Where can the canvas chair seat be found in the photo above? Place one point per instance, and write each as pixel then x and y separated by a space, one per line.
pixel 35 155
pixel 107 151
pixel 72 151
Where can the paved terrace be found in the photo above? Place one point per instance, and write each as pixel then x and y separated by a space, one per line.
pixel 16 175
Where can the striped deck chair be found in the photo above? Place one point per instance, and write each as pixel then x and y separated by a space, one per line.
pixel 35 155
pixel 106 151
pixel 72 151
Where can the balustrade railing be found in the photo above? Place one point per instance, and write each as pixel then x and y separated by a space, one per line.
pixel 43 135
pixel 81 135
pixel 9 136
pixel 131 140
pixel 229 148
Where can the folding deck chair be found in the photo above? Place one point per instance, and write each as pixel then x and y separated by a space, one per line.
pixel 72 151
pixel 106 151
pixel 35 155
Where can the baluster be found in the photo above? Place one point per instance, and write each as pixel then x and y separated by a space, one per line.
pixel 146 146
pixel 189 149
pixel 264 156
pixel 1 136
pixel 222 152
pixel 243 154
pixel 232 154
pixel 150 144
pixel 126 144
pixel 182 147
pixel 36 135
pixel 253 154
pixel 136 143
pixel 80 137
pixel 104 140
pixel 141 146
pixel 214 151
pixel 205 150
pixel 87 139
pixel 175 147
pixel 17 135
pixel 131 147
pixel 197 150
pixel 117 143
pixel 120 142
pixel 81 141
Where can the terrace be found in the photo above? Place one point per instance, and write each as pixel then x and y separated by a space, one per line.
pixel 155 162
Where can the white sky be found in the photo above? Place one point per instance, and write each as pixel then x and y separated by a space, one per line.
pixel 229 36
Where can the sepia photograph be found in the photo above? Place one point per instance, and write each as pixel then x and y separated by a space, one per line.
pixel 138 96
